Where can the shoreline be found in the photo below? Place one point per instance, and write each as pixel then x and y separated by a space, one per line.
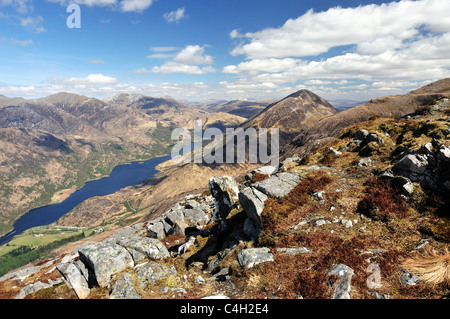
pixel 12 230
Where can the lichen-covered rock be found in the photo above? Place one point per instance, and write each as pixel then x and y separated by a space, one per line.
pixel 152 271
pixel 150 247
pixel 156 230
pixel 411 164
pixel 252 201
pixel 123 288
pixel 247 258
pixel 225 191
pixel 105 259
pixel 74 277
pixel 278 185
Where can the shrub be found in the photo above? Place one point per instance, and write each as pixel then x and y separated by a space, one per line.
pixel 382 200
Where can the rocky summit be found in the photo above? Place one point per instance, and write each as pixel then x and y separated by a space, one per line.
pixel 362 217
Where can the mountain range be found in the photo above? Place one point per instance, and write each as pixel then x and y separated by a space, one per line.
pixel 366 185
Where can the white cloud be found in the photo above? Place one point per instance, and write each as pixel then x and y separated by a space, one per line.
pixel 122 5
pixel 175 67
pixel 393 45
pixel 262 65
pixel 90 80
pixel 193 54
pixel 141 71
pixel 34 24
pixel 23 43
pixel 21 6
pixel 135 5
pixel 163 49
pixel 175 16
pixel 315 33
pixel 187 61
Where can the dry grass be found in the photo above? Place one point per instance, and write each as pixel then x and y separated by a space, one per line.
pixel 432 268
pixel 382 200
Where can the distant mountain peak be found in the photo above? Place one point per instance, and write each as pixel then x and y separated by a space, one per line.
pixel 289 113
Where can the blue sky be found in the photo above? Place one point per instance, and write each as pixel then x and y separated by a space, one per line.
pixel 204 49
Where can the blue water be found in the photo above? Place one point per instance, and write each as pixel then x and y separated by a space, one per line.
pixel 121 176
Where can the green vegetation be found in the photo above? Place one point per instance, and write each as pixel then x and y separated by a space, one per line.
pixel 25 254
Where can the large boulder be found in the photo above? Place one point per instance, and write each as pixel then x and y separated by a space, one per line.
pixel 250 257
pixel 105 259
pixel 252 201
pixel 225 191
pixel 411 164
pixel 278 185
pixel 150 247
pixel 76 280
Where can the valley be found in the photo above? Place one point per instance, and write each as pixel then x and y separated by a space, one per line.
pixel 343 195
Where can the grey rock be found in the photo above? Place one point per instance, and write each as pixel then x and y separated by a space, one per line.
pixel 105 260
pixel 411 163
pixel 150 247
pixel 32 288
pixel 361 134
pixel 197 216
pixel 278 185
pixel 266 170
pixel 366 161
pixel 378 295
pixel 123 288
pixel 185 247
pixel 319 222
pixel 225 191
pixel 308 220
pixel 152 272
pixel 294 250
pixel 251 229
pixel 247 258
pixel 252 201
pixel 179 227
pixel 335 152
pixel 174 215
pixel 75 279
pixel 318 195
pixel 408 279
pixel 342 288
pixel 373 137
pixel 223 274
pixel 156 230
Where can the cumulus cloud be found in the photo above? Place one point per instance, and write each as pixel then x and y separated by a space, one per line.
pixel 135 5
pixel 190 60
pixel 193 54
pixel 175 16
pixel 315 33
pixel 389 46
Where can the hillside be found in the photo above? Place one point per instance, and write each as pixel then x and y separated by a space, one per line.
pixel 57 143
pixel 314 133
pixel 364 217
pixel 290 113
pixel 245 109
